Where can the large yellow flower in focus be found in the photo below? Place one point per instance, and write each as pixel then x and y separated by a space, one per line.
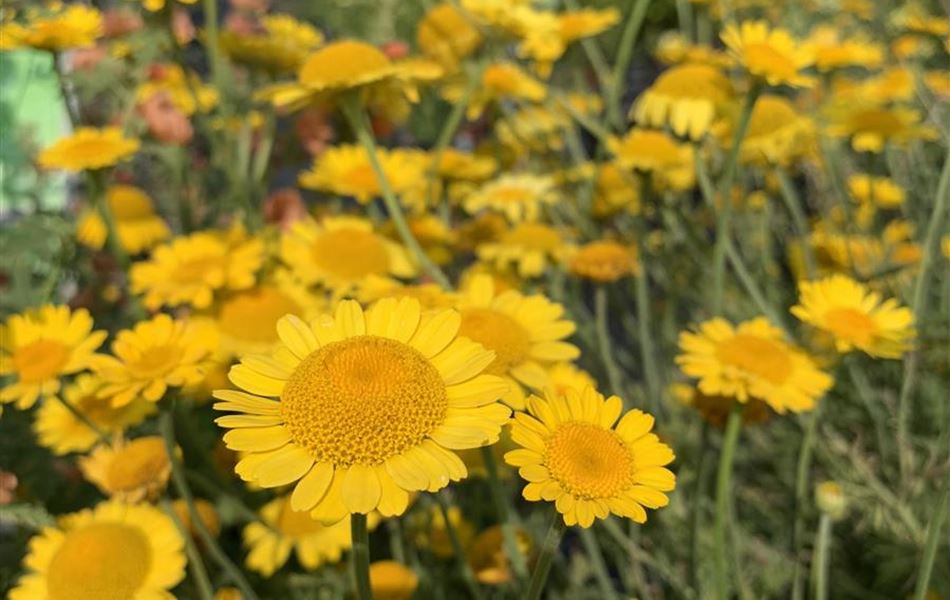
pixel 138 226
pixel 190 269
pixel 526 333
pixel 89 148
pixel 855 317
pixel 751 361
pixel 359 409
pixel 346 171
pixel 114 550
pixel 153 356
pixel 72 26
pixel 771 55
pixel 687 97
pixel 576 454
pixel 341 253
pixel 39 346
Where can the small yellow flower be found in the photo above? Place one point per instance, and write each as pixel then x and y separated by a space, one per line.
pixel 138 225
pixel 390 580
pixel 186 91
pixel 565 376
pixel 447 36
pixel 519 197
pixel 281 46
pixel 882 192
pixel 499 81
pixel 247 320
pixel 654 152
pixel 832 52
pixel 604 261
pixel 487 556
pixel 157 5
pixel 546 35
pixel 771 55
pixel 871 127
pixel 67 27
pixel 429 295
pixel 830 499
pixel 131 471
pixel 115 550
pixel 688 98
pixel 857 318
pixel 615 190
pixel 346 171
pixel 751 361
pixel 38 347
pixel 575 453
pixel 528 247
pixel 89 148
pixel 777 133
pixel 153 356
pixel 462 166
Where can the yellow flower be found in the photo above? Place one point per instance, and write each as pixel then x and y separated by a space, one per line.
pixel 531 247
pixel 67 27
pixel 390 580
pixel 856 318
pixel 832 52
pixel 938 81
pixel 882 192
pixel 429 295
pixel 130 471
pixel 576 454
pixel 519 196
pixel 771 55
pixel 614 190
pixel 499 81
pixel 657 153
pixel 89 148
pixel 688 98
pixel 526 334
pixel 153 356
pixel 185 90
pixel 369 407
pixel 346 171
pixel 604 261
pixel 190 269
pixel 350 65
pixel 138 226
pixel 430 531
pixel 751 361
pixel 462 166
pixel 284 530
pixel 716 409
pixel 247 320
pixel 281 46
pixel 777 133
pixel 534 128
pixel 340 253
pixel 157 5
pixel 447 36
pixel 871 126
pixel 488 558
pixel 673 49
pixel 37 347
pixel 830 499
pixel 115 550
pixel 546 35
pixel 58 429
pixel 565 376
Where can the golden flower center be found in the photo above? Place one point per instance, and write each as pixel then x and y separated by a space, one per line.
pixel 100 561
pixel 363 179
pixel 850 324
pixel 763 59
pixel 40 360
pixel 589 461
pixel 350 254
pixel 253 315
pixel 296 524
pixel 765 358
pixel 156 360
pixel 500 333
pixel 363 400
pixel 137 464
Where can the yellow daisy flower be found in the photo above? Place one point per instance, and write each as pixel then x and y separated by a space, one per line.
pixel 576 454
pixel 856 318
pixel 89 148
pixel 37 347
pixel 870 126
pixel 447 36
pixel 751 361
pixel 67 27
pixel 529 247
pixel 519 196
pixel 282 44
pixel 58 429
pixel 546 35
pixel 673 48
pixel 655 152
pixel 615 190
pixel 115 550
pixel 130 471
pixel 153 356
pixel 499 81
pixel 833 52
pixel 604 261
pixel 882 192
pixel 190 269
pixel 771 55
pixel 186 91
pixel 247 320
pixel 340 253
pixel 463 166
pixel 138 225
pixel 285 530
pixel 346 171
pixel 777 133
pixel 360 373
pixel 566 376
pixel 688 98
pixel 526 334
pixel 429 295
pixel 157 5
pixel 390 580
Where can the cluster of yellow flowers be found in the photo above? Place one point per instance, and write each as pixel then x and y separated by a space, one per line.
pixel 493 243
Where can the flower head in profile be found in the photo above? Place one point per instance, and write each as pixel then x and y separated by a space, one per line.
pixel 138 225
pixel 184 89
pixel 130 471
pixel 153 356
pixel 574 452
pixel 519 196
pixel 526 334
pixel 871 126
pixel 65 28
pixel 656 153
pixel 770 55
pixel 499 82
pixel 857 318
pixel 751 361
pixel 38 347
pixel 527 248
pixel 89 148
pixel 391 580
pixel 688 98
pixel 280 43
pixel 346 171
pixel 604 261
pixel 778 134
pixel 115 550
pixel 360 408
pixel 880 192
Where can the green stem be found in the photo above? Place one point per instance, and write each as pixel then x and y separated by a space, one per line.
pixel 360 556
pixel 819 562
pixel 596 557
pixel 750 286
pixel 723 490
pixel 71 110
pixel 801 494
pixel 594 54
pixel 195 564
pixel 603 341
pixel 395 541
pixel 699 497
pixel 465 569
pixel 166 428
pixel 97 185
pixel 647 351
pixel 210 8
pixel 356 117
pixel 509 534
pixel 794 205
pixel 724 196
pixel 933 541
pixel 102 435
pixel 636 555
pixel 548 548
pixel 628 40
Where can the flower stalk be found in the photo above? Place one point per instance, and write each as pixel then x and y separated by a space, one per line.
pixel 723 495
pixel 548 548
pixel 360 557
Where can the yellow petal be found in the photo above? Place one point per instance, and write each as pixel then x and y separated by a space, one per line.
pixel 435 332
pixel 311 489
pixel 286 466
pixel 361 489
pixel 258 439
pixel 297 336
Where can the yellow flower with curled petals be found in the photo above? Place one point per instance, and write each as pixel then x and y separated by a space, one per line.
pixel 89 148
pixel 770 55
pixel 130 470
pixel 138 225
